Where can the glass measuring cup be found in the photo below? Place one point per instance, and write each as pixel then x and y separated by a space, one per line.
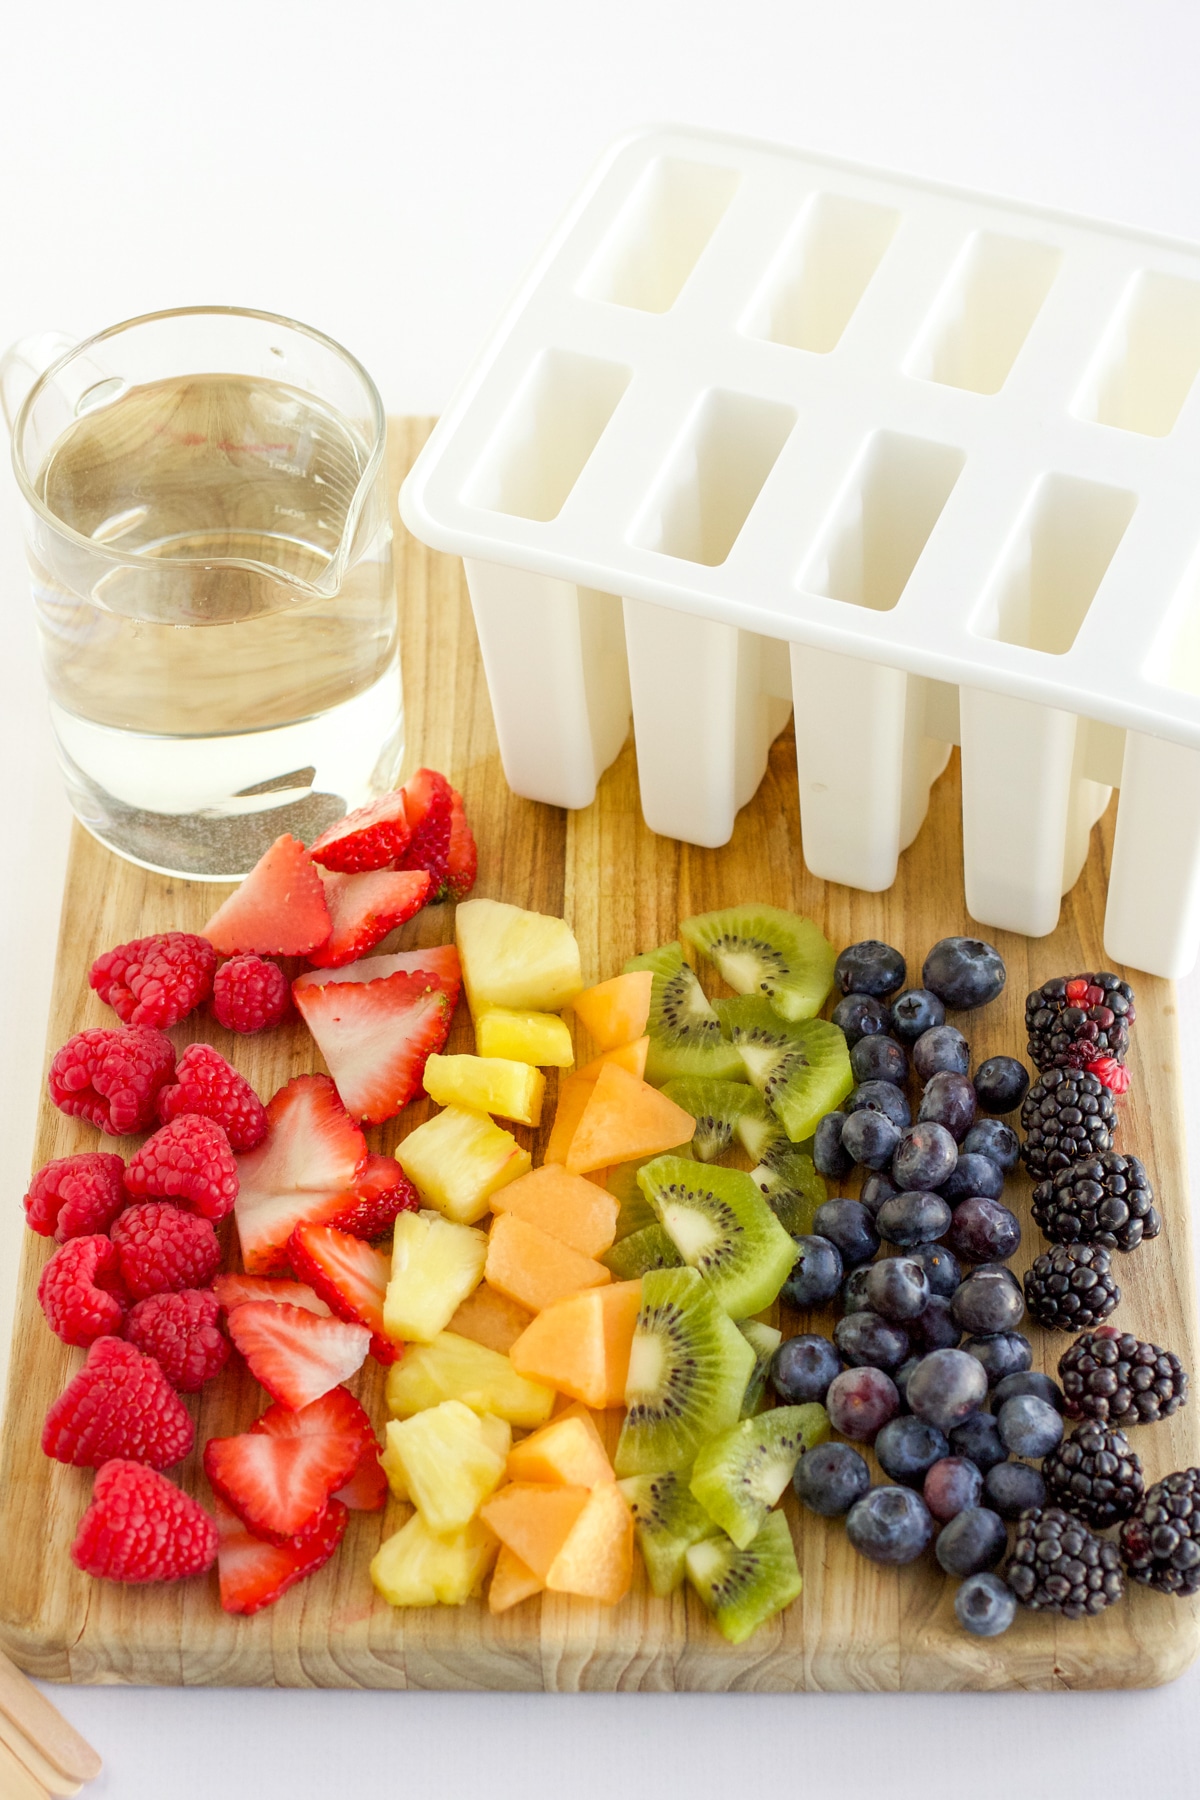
pixel 209 532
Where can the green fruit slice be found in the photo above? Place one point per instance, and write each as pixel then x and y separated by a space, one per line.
pixel 723 1228
pixel 740 1474
pixel 802 1071
pixel 649 1248
pixel 763 950
pixel 684 1031
pixel 688 1369
pixel 744 1588
pixel 764 1340
pixel 791 1187
pixel 668 1521
pixel 716 1107
pixel 636 1211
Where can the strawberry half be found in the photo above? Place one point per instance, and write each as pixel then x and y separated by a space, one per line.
pixel 349 1276
pixel 428 802
pixel 364 908
pixel 462 857
pixel 372 1206
pixel 294 1354
pixel 376 1036
pixel 312 1155
pixel 438 963
pixel 254 1573
pixel 370 838
pixel 234 1290
pixel 367 1488
pixel 279 910
pixel 277 1479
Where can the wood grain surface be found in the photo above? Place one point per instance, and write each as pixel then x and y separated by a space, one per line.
pixel 623 890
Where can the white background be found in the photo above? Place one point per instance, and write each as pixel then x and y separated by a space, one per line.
pixel 384 169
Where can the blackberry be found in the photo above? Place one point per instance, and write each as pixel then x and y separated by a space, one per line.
pixel 1072 1023
pixel 1057 1565
pixel 1161 1542
pixel 1094 1473
pixel 1069 1287
pixel 1113 1377
pixel 1103 1199
pixel 1065 1116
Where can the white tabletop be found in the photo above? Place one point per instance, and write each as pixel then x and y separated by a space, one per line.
pixel 385 172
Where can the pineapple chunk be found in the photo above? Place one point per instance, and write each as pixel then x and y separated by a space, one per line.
pixel 454 1368
pixel 449 1468
pixel 487 1084
pixel 524 960
pixel 389 1462
pixel 529 1037
pixel 458 1159
pixel 435 1265
pixel 416 1567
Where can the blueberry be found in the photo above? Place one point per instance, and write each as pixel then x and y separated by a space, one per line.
pixel 816 1273
pixel 881 1097
pixel 897 1289
pixel 906 1447
pixel 925 1157
pixel 974 1540
pixel 983 1230
pixel 973 1174
pixel 859 1016
pixel 949 1100
pixel 1029 1381
pixel 889 1525
pixel 870 1138
pixel 1011 1488
pixel 829 1158
pixel 964 972
pixel 953 1484
pixel 941 1051
pixel 849 1225
pixel 860 1402
pixel 940 1266
pixel 875 1190
pixel 913 1218
pixel 1000 1353
pixel 1029 1426
pixel 802 1369
pixel 869 968
pixel 934 1328
pixel 994 1139
pixel 1001 1084
pixel 865 1341
pixel 829 1479
pixel 915 1012
pixel 978 1440
pixel 879 1059
pixel 854 1290
pixel 988 1301
pixel 985 1606
pixel 946 1387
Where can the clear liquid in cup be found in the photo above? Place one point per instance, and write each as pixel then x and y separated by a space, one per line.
pixel 206 705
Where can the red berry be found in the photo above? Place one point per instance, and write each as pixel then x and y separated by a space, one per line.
pixel 81 1291
pixel 371 838
pixel 155 980
pixel 181 1332
pixel 462 857
pixel 1113 1074
pixel 119 1404
pixel 428 804
pixel 112 1078
pixel 379 1195
pixel 251 994
pixel 205 1083
pixel 1077 991
pixel 75 1195
pixel 141 1527
pixel 190 1161
pixel 162 1249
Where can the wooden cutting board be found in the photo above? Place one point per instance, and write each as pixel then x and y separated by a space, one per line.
pixel 623 890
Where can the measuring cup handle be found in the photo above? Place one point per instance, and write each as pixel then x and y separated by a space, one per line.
pixel 24 361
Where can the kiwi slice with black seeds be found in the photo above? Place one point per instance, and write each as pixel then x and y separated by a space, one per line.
pixel 716 1107
pixel 744 1588
pixel 668 1520
pixel 792 1188
pixel 684 1031
pixel 723 1228
pixel 740 1474
pixel 648 1248
pixel 759 1132
pixel 802 1071
pixel 764 1340
pixel 622 1184
pixel 764 950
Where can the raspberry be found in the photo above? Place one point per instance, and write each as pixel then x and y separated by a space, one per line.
pixel 251 994
pixel 188 1160
pixel 162 1249
pixel 205 1083
pixel 141 1527
pixel 180 1331
pixel 81 1291
pixel 112 1078
pixel 119 1404
pixel 75 1195
pixel 1114 1075
pixel 155 980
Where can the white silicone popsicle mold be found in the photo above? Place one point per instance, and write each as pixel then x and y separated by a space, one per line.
pixel 764 431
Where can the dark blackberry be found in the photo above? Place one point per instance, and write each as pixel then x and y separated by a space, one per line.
pixel 1057 1565
pixel 1072 1023
pixel 1094 1473
pixel 1111 1376
pixel 1069 1287
pixel 1065 1116
pixel 1100 1200
pixel 1161 1542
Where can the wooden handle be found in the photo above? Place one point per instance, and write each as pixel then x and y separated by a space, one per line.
pixel 45 1728
pixel 16 1782
pixel 60 1786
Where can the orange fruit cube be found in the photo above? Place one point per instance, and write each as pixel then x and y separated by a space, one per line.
pixel 512 1581
pixel 535 1269
pixel 567 1451
pixel 489 1317
pixel 624 1119
pixel 614 1012
pixel 534 1521
pixel 567 1207
pixel 597 1558
pixel 581 1345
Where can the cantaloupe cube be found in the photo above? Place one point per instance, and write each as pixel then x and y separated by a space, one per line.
pixel 615 1012
pixel 512 1582
pixel 454 1368
pixel 416 1567
pixel 435 1265
pixel 568 1207
pixel 565 1450
pixel 628 1056
pixel 597 1558
pixel 458 1159
pixel 533 1520
pixel 581 1345
pixel 487 1084
pixel 447 1462
pixel 490 1317
pixel 625 1118
pixel 574 1092
pixel 530 1037
pixel 523 960
pixel 535 1269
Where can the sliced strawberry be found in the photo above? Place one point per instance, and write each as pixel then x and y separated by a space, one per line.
pixel 428 803
pixel 279 910
pixel 277 1484
pixel 367 1488
pixel 376 1037
pixel 234 1290
pixel 336 1413
pixel 254 1573
pixel 372 1206
pixel 350 1277
pixel 312 1155
pixel 439 963
pixel 294 1354
pixel 462 858
pixel 364 908
pixel 370 838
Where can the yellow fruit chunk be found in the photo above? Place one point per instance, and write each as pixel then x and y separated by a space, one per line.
pixel 458 1159
pixel 568 1207
pixel 447 1462
pixel 416 1567
pixel 389 1462
pixel 615 1012
pixel 435 1265
pixel 534 1521
pixel 597 1558
pixel 512 1582
pixel 535 1269
pixel 526 961
pixel 487 1084
pixel 581 1345
pixel 530 1037
pixel 491 1318
pixel 625 1118
pixel 563 1451
pixel 454 1368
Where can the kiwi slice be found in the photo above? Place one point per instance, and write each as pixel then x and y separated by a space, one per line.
pixel 763 950
pixel 649 1248
pixel 684 1031
pixel 802 1071
pixel 716 1107
pixel 744 1588
pixel 723 1228
pixel 758 1131
pixel 764 1340
pixel 688 1369
pixel 740 1474
pixel 668 1521
pixel 762 1039
pixel 791 1187
pixel 636 1211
